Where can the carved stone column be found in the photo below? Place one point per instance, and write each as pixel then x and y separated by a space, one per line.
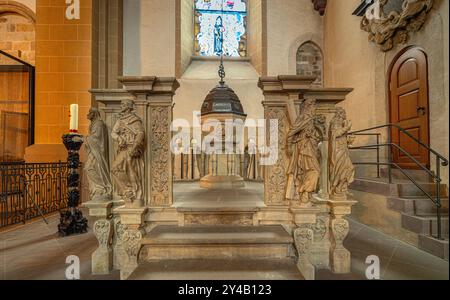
pixel 102 258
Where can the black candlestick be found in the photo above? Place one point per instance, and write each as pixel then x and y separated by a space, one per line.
pixel 72 220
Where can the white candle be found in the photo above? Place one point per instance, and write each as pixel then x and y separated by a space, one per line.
pixel 74 118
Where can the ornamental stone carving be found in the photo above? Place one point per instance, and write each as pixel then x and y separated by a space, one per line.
pixel 132 239
pixel 128 166
pixel 161 155
pixel 341 169
pixel 103 232
pixel 303 141
pixel 97 165
pixel 303 240
pixel 398 18
pixel 277 174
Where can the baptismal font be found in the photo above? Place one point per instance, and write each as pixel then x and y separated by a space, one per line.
pixel 221 111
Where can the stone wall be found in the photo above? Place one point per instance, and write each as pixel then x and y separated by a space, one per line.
pixel 290 23
pixel 18 37
pixel 350 60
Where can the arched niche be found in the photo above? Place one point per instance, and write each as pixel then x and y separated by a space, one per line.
pixel 13 7
pixel 309 61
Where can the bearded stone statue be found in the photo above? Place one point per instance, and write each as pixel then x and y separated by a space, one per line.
pixel 97 165
pixel 128 166
pixel 304 167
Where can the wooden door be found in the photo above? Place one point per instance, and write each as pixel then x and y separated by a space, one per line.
pixel 409 107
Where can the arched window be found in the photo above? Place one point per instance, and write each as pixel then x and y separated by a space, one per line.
pixel 310 62
pixel 220 28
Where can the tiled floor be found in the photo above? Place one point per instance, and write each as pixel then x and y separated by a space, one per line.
pixel 35 251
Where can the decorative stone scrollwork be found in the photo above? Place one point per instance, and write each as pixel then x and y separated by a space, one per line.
pixel 340 257
pixel 102 258
pixel 340 230
pixel 131 240
pixel 103 232
pixel 119 251
pixel 303 240
pixel 161 156
pixel 394 25
pixel 132 243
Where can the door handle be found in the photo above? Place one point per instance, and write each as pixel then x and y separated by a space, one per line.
pixel 421 110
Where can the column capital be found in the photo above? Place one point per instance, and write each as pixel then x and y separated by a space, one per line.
pixel 149 85
pixel 326 96
pixel 285 83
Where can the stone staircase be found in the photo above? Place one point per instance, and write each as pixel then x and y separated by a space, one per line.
pixel 418 213
pixel 226 252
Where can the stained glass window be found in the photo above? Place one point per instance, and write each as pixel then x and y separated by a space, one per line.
pixel 221 27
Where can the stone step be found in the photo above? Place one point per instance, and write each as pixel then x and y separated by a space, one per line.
pixel 411 190
pixel 396 189
pixel 418 175
pixel 374 186
pixel 434 246
pixel 218 269
pixel 426 225
pixel 417 206
pixel 216 242
pixel 218 215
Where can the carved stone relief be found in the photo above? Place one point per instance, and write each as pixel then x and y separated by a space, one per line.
pixel 97 163
pixel 128 166
pixel 395 25
pixel 277 175
pixel 341 169
pixel 160 156
pixel 304 168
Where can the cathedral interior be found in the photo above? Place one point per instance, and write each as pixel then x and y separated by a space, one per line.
pixel 224 139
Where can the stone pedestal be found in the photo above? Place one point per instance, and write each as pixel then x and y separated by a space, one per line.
pixel 102 258
pixel 340 257
pixel 132 220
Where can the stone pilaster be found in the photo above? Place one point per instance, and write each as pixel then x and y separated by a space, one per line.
pixel 107 19
pixel 132 220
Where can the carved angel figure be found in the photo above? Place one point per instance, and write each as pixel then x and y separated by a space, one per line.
pixel 97 165
pixel 342 171
pixel 304 167
pixel 128 166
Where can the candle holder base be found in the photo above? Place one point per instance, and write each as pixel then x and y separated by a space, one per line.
pixel 72 223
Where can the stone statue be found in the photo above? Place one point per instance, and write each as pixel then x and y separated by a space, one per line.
pixel 128 166
pixel 342 171
pixel 304 166
pixel 97 165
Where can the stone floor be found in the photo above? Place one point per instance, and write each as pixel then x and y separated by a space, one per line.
pixel 34 251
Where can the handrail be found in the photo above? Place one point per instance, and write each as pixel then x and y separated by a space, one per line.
pixel 404 152
pixel 440 161
pixel 445 161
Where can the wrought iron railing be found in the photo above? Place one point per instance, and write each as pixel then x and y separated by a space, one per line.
pixel 390 146
pixel 28 191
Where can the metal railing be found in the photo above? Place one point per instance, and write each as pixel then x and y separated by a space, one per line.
pixel 436 176
pixel 31 190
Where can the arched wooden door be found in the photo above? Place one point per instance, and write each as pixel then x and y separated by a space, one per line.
pixel 409 106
